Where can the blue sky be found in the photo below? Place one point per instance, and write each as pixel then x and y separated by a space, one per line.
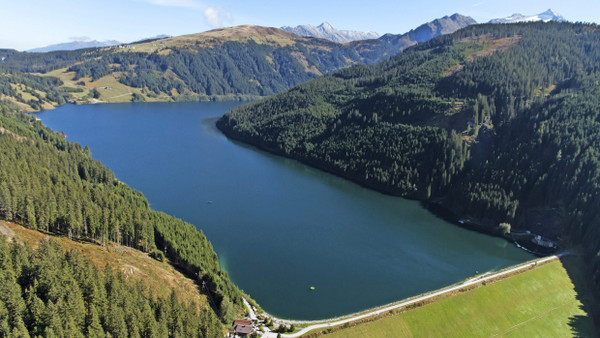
pixel 28 24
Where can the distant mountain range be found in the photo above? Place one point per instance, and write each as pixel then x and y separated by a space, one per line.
pixel 445 25
pixel 428 31
pixel 228 63
pixel 326 31
pixel 73 45
pixel 546 16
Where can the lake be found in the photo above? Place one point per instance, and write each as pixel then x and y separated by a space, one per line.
pixel 278 226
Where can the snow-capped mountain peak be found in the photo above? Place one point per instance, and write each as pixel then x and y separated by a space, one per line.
pixel 549 15
pixel 325 26
pixel 326 31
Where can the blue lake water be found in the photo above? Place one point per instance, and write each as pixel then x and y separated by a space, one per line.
pixel 279 226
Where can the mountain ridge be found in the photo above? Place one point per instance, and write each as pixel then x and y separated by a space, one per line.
pixel 429 30
pixel 548 15
pixel 74 45
pixel 234 63
pixel 326 31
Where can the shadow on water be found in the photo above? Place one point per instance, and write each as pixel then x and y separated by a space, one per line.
pixel 447 215
pixel 210 125
pixel 582 326
pixel 331 180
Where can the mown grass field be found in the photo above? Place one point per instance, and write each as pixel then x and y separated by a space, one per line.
pixel 543 302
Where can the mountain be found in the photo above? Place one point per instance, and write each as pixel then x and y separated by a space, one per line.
pixel 389 45
pixel 248 61
pixel 425 32
pixel 483 124
pixel 234 63
pixel 326 31
pixel 546 16
pixel 73 45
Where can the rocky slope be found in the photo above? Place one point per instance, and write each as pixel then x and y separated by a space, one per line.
pixel 430 30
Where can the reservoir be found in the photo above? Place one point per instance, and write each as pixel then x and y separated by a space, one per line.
pixel 278 226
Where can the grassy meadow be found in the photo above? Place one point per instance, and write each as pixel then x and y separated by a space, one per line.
pixel 543 302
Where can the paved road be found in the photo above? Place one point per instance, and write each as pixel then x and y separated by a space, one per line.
pixel 465 284
pixel 250 311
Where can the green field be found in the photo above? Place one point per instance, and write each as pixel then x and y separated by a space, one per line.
pixel 543 302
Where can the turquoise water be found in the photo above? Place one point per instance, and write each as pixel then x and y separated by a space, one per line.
pixel 279 226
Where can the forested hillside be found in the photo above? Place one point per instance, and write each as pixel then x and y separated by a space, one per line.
pixel 55 293
pixel 30 92
pixel 232 63
pixel 54 185
pixel 494 122
pixel 235 62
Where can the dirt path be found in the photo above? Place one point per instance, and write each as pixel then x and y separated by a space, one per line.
pixel 251 313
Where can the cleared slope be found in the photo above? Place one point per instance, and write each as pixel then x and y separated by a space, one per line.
pixel 160 277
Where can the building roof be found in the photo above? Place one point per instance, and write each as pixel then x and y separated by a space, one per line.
pixel 241 329
pixel 242 322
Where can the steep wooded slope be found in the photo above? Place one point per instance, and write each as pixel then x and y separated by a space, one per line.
pixel 494 122
pixel 51 184
pixel 50 291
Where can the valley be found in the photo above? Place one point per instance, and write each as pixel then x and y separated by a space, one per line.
pixel 332 173
pixel 305 227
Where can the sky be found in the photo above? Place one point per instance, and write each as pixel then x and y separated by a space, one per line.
pixel 26 24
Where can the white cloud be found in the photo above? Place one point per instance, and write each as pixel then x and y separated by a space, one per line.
pixel 215 16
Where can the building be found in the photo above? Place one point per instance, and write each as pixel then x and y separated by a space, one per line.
pixel 543 242
pixel 241 328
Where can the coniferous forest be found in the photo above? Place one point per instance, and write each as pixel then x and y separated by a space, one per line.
pixel 49 292
pixel 490 122
pixel 210 67
pixel 50 184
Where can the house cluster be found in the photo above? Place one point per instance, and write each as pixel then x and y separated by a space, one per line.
pixel 543 242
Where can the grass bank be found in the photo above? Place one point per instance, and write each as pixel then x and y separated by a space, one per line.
pixel 544 302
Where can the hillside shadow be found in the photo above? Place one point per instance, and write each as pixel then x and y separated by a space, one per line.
pixel 582 326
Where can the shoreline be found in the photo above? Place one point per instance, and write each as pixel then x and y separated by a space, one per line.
pixel 446 214
pixel 410 302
